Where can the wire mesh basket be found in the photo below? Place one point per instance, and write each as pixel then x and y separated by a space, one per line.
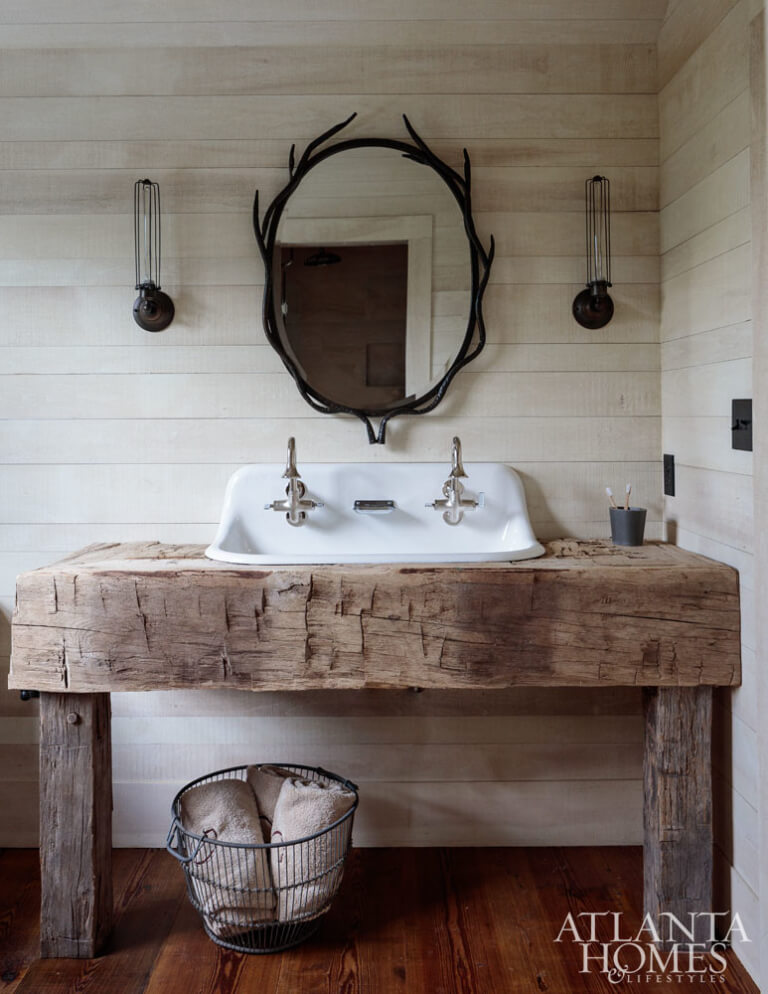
pixel 269 897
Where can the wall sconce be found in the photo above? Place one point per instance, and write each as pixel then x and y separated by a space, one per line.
pixel 593 307
pixel 152 310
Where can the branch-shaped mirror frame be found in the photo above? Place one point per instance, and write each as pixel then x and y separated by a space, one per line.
pixel 266 236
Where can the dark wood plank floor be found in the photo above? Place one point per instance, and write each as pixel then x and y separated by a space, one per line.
pixel 407 921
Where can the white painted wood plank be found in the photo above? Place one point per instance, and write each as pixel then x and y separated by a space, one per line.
pixel 244 440
pixel 717 505
pixel 398 761
pixel 116 11
pixel 705 391
pixel 228 235
pixel 513 701
pixel 742 701
pixel 721 193
pixel 725 235
pixel 738 895
pixel 686 27
pixel 224 272
pixel 331 68
pixel 191 359
pixel 717 345
pixel 704 442
pixel 735 754
pixel 556 492
pixel 687 538
pixel 507 813
pixel 503 189
pixel 712 77
pixel 719 140
pixel 485 394
pixel 309 33
pixel 715 294
pixel 46 316
pixel 150 154
pixel 302 118
pixel 736 829
pixel 524 813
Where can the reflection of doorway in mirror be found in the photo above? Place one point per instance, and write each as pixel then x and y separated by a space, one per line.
pixel 344 319
pixel 414 233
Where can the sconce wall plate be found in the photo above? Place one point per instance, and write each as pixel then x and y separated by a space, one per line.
pixel 592 310
pixel 153 310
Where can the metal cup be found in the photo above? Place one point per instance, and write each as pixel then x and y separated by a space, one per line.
pixel 627 527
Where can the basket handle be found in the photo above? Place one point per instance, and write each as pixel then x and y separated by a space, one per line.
pixel 175 830
pixel 334 776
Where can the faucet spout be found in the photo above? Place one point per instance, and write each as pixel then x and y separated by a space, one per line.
pixel 291 473
pixel 457 468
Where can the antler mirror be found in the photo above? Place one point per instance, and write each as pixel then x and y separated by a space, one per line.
pixel 374 276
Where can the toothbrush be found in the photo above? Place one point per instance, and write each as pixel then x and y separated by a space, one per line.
pixel 610 496
pixel 628 491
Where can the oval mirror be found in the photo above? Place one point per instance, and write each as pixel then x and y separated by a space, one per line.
pixel 374 276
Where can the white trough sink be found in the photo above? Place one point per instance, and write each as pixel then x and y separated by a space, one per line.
pixel 498 530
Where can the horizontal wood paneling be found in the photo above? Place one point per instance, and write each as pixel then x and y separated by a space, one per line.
pixel 531 233
pixel 715 504
pixel 335 68
pixel 190 359
pixel 504 812
pixel 180 493
pixel 716 73
pixel 718 195
pixel 705 442
pixel 682 34
pixel 499 189
pixel 116 434
pixel 246 394
pixel 708 149
pixel 264 152
pixel 399 761
pixel 715 294
pixel 311 33
pixel 721 237
pixel 114 11
pixel 707 347
pixel 231 315
pixel 243 440
pixel 301 118
pixel 243 272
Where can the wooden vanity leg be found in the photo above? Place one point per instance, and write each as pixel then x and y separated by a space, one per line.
pixel 677 853
pixel 75 824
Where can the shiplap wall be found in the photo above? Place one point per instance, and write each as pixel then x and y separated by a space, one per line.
pixel 112 434
pixel 706 355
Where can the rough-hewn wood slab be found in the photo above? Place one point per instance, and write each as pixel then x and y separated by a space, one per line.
pixel 151 616
pixel 677 774
pixel 75 824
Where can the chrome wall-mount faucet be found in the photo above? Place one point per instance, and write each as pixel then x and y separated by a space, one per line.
pixel 295 504
pixel 452 503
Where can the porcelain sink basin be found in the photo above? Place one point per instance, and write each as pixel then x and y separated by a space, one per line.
pixel 497 530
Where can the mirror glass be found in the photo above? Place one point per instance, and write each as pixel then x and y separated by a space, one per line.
pixel 372 279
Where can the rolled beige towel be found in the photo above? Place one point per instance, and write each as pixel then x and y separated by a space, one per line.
pixel 265 782
pixel 232 886
pixel 307 875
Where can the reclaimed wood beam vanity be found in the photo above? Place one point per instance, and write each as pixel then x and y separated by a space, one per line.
pixel 158 617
